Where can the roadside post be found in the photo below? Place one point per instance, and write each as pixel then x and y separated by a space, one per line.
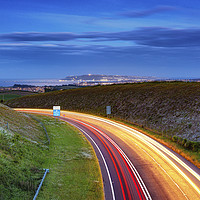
pixel 108 110
pixel 56 111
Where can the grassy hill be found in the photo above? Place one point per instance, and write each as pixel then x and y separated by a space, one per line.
pixel 171 108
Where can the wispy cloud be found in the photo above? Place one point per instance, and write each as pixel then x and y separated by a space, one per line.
pixel 146 13
pixel 152 37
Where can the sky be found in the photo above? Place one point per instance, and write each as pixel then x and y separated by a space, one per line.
pixel 54 39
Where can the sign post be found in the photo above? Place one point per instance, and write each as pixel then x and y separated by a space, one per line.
pixel 108 110
pixel 56 111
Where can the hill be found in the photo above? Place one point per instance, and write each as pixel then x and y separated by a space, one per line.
pixel 171 108
pixel 108 78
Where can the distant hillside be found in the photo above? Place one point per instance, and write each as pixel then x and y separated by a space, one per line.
pixel 111 78
pixel 169 107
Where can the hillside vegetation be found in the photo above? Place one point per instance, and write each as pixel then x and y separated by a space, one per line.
pixel 171 108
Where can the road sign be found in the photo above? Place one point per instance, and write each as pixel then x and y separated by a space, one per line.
pixel 56 111
pixel 108 110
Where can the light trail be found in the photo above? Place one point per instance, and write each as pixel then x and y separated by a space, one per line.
pixel 151 143
pixel 133 169
pixel 115 159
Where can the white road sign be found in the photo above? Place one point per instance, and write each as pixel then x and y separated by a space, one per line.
pixel 56 111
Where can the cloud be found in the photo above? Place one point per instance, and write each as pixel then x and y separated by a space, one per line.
pixel 145 13
pixel 151 37
pixel 37 36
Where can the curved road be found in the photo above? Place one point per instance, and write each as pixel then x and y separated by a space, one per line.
pixel 166 174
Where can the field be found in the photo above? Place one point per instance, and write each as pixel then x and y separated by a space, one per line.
pixel 8 95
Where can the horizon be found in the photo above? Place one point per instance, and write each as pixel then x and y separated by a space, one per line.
pixel 39 40
pixel 62 78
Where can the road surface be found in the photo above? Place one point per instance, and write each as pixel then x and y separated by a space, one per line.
pixel 138 166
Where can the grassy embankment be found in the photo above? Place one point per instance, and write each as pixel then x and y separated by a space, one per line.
pixel 74 171
pixel 171 109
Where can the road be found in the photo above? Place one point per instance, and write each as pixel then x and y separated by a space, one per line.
pixel 134 161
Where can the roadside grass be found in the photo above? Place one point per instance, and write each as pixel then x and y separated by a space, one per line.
pixel 74 170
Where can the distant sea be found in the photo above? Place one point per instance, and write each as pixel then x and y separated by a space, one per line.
pixel 36 82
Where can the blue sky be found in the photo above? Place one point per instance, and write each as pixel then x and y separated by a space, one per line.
pixel 53 39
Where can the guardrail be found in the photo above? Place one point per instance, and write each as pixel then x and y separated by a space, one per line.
pixel 37 192
pixel 6 125
pixel 42 127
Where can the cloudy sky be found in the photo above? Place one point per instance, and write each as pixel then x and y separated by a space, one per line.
pixel 53 39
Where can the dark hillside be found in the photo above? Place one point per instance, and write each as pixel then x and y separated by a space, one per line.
pixel 169 107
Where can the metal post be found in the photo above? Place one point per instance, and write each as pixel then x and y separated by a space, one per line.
pixel 37 192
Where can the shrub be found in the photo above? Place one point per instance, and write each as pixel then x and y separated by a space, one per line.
pixel 195 146
pixel 188 145
pixel 180 140
pixel 184 141
pixel 174 138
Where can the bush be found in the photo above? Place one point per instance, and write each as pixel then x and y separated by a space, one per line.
pixel 180 140
pixel 174 138
pixel 183 142
pixel 195 146
pixel 188 145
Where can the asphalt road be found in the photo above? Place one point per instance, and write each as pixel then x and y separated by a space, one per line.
pixel 164 173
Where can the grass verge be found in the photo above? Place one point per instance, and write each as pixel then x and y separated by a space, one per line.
pixel 74 170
